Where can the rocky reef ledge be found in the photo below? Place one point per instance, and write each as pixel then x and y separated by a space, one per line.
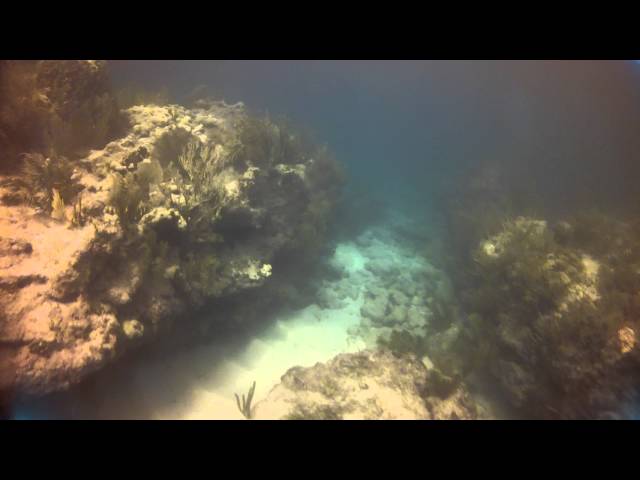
pixel 368 385
pixel 188 209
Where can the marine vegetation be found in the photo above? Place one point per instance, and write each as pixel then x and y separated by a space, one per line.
pixel 187 220
pixel 126 197
pixel 403 343
pixel 78 217
pixel 64 105
pixel 57 207
pixel 200 164
pixel 555 314
pixel 84 112
pixel 245 405
pixel 201 276
pixel 526 266
pixel 42 175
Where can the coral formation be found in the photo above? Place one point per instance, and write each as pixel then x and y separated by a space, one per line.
pixel 552 314
pixel 125 219
pixel 42 175
pixel 367 385
pixel 188 208
pixel 401 292
pixel 60 106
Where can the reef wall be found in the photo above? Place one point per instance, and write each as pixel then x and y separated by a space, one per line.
pixel 104 250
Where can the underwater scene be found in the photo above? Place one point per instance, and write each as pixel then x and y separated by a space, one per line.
pixel 319 240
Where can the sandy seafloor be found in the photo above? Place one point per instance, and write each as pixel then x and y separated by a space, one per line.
pixel 200 382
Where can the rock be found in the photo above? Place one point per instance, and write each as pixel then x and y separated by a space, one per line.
pixel 14 283
pixel 365 386
pixel 398 298
pixel 163 245
pixel 162 217
pixel 383 268
pixel 449 351
pixel 375 309
pixel 331 299
pixel 397 315
pixel 14 246
pixel 417 315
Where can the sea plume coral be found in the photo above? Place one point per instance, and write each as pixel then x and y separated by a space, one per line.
pixel 41 175
pixel 245 406
pixel 57 207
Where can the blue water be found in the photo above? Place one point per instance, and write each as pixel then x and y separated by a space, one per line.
pixel 401 125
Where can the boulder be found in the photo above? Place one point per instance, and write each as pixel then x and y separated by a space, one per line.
pixel 368 385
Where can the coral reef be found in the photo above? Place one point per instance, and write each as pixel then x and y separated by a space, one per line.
pixel 553 314
pixel 55 106
pixel 546 296
pixel 154 241
pixel 41 176
pixel 367 385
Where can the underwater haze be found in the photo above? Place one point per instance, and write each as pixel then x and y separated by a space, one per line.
pixel 320 239
pixel 410 125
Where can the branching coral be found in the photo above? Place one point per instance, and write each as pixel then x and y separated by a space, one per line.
pixel 78 217
pixel 126 197
pixel 200 164
pixel 130 191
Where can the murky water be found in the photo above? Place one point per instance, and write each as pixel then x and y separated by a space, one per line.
pixel 479 220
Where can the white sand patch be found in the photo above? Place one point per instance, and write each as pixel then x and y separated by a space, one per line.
pixel 304 338
pixel 200 383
